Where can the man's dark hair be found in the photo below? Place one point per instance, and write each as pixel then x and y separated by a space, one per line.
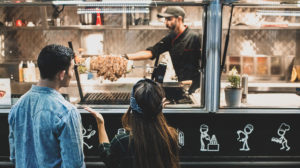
pixel 54 58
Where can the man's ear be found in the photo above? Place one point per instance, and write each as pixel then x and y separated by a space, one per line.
pixel 61 74
pixel 180 18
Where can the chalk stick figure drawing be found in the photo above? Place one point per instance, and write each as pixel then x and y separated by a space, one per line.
pixel 180 137
pixel 244 135
pixel 282 140
pixel 207 143
pixel 204 137
pixel 88 135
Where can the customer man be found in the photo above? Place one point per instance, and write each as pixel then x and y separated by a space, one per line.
pixel 183 45
pixel 45 129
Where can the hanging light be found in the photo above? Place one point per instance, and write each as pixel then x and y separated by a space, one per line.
pixel 278 13
pixel 106 3
pixel 113 10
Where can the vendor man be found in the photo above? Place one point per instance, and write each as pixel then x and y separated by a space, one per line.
pixel 183 44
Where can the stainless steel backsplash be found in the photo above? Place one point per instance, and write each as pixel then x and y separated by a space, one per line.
pixel 25 43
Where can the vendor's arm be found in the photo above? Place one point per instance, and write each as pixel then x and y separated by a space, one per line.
pixel 152 52
pixel 141 55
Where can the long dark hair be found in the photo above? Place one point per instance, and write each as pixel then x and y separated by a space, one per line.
pixel 155 143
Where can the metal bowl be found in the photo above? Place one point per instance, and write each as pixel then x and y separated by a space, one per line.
pixel 87 19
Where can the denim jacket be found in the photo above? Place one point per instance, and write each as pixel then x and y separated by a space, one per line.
pixel 45 131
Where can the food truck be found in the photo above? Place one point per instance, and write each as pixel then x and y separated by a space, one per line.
pixel 246 112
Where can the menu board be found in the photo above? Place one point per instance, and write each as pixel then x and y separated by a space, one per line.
pixel 5 91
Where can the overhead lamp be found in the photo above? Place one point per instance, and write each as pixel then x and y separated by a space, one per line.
pixel 110 3
pixel 113 10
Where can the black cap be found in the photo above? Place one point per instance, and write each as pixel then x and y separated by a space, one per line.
pixel 172 11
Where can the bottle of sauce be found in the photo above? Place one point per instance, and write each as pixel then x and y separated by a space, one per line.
pixel 25 72
pixel 21 77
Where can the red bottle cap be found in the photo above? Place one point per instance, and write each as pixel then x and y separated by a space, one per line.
pixel 19 23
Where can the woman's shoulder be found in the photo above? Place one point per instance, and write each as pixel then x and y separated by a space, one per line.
pixel 121 140
pixel 121 137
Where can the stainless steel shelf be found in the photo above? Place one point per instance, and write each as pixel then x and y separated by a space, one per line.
pixel 146 27
pixel 262 28
pixel 11 3
pixel 89 27
pixel 74 27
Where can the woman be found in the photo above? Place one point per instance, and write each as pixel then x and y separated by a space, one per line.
pixel 149 142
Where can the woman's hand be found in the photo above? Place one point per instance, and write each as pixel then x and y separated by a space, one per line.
pixel 97 115
pixel 103 138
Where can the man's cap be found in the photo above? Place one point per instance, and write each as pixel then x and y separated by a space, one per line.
pixel 172 11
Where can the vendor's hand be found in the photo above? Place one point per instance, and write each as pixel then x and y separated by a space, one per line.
pixel 165 102
pixel 125 56
pixel 186 82
pixel 97 115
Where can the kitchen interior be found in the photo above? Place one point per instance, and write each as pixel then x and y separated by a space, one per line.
pixel 264 48
pixel 99 35
pixel 263 44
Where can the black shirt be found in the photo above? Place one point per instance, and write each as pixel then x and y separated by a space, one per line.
pixel 117 154
pixel 120 152
pixel 185 52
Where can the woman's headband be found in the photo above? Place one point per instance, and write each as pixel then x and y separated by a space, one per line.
pixel 133 104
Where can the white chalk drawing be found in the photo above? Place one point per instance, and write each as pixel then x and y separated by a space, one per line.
pixel 282 140
pixel 180 138
pixel 121 131
pixel 207 143
pixel 213 144
pixel 88 135
pixel 244 135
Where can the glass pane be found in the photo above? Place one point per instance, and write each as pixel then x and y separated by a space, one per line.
pixel 264 48
pixel 100 34
pixel 276 65
pixel 262 66
pixel 248 65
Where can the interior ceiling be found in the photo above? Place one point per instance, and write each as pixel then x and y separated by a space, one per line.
pixel 227 1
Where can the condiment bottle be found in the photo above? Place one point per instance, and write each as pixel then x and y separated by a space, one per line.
pixel 245 88
pixel 21 79
pixel 25 71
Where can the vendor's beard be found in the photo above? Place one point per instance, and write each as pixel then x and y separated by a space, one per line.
pixel 171 27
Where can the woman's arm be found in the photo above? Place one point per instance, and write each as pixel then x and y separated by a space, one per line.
pixel 103 138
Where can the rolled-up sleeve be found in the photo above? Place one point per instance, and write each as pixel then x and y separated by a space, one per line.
pixel 71 140
pixel 104 150
pixel 162 46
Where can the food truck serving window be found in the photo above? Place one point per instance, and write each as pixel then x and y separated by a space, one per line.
pixel 262 66
pixel 102 38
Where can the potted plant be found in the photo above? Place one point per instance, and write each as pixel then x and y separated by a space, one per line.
pixel 233 92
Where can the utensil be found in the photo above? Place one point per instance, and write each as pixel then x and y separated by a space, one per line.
pixel 87 19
